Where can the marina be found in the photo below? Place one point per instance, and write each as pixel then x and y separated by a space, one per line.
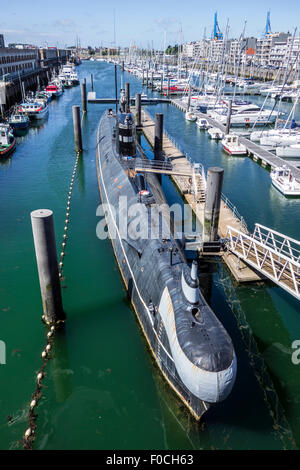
pixel 150 262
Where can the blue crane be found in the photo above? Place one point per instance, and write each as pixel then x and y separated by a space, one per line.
pixel 268 25
pixel 216 31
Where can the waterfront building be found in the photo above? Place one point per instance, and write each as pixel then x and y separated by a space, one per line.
pixel 294 47
pixel 14 61
pixel 51 56
pixel 245 47
pixel 2 41
pixel 264 46
pixel 196 49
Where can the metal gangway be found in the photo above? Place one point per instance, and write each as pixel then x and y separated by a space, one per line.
pixel 273 254
pixel 195 172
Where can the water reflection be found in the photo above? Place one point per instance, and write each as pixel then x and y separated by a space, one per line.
pixel 60 367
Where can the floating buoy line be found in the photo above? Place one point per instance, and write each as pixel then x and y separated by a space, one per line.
pixel 30 433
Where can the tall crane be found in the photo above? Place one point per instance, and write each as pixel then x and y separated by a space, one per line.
pixel 268 25
pixel 216 31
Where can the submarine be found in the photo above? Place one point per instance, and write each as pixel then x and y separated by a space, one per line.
pixel 190 345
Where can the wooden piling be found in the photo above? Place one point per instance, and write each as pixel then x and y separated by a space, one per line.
pixel 212 203
pixel 46 258
pixel 92 82
pixel 77 128
pixel 83 97
pixel 138 109
pixel 158 139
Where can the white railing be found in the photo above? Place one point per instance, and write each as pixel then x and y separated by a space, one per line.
pixel 279 265
pixel 235 212
pixel 282 244
pixel 196 165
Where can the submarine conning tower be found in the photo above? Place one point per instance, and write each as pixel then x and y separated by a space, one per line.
pixel 126 134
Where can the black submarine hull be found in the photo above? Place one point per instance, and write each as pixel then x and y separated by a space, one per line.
pixel 198 363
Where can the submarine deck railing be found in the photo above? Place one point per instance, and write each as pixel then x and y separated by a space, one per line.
pixel 273 254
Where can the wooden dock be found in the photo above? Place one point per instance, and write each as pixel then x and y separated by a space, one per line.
pixel 240 271
pixel 258 153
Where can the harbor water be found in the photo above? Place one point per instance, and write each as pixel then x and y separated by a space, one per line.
pixel 102 389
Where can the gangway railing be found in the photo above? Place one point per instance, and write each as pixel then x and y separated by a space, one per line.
pixel 235 212
pixel 273 254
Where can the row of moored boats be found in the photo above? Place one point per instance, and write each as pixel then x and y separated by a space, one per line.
pixel 34 106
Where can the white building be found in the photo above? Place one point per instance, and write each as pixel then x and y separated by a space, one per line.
pixel 195 49
pixel 265 45
pixel 295 51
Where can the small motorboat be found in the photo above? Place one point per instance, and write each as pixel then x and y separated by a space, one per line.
pixel 190 116
pixel 215 133
pixel 283 180
pixel 232 145
pixel 203 123
pixel 7 140
pixel 18 121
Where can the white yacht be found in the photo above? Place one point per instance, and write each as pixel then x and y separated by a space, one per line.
pixel 68 73
pixel 247 115
pixel 203 123
pixel 231 144
pixel 288 151
pixel 255 136
pixel 283 180
pixel 281 139
pixel 215 133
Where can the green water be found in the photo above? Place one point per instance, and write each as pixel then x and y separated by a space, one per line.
pixel 102 389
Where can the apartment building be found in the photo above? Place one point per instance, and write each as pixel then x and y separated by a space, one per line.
pixel 265 45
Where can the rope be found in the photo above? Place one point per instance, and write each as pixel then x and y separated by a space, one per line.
pixel 30 433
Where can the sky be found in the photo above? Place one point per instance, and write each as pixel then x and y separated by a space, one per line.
pixel 58 22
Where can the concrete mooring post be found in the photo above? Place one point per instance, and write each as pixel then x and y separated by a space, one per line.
pixel 92 82
pixel 229 110
pixel 158 139
pixel 77 128
pixel 212 204
pixel 138 108
pixel 46 258
pixel 83 97
pixel 127 96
